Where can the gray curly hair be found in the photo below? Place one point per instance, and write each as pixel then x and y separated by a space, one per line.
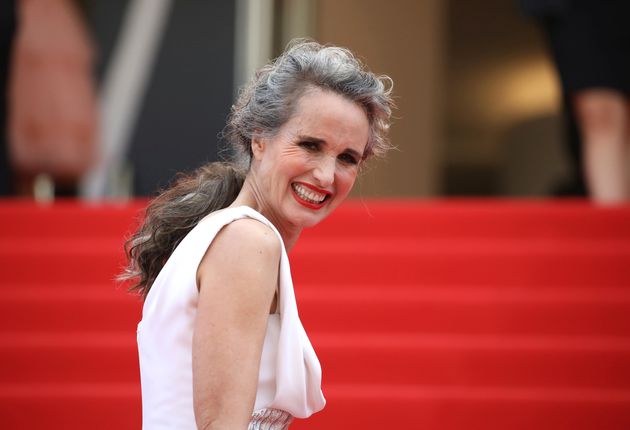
pixel 269 99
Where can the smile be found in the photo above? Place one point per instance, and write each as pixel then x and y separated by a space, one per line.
pixel 309 196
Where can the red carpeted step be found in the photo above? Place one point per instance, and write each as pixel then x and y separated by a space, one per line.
pixel 88 307
pixel 475 361
pixel 439 262
pixel 470 219
pixel 60 262
pixel 465 310
pixel 107 406
pixel 439 360
pixel 379 218
pixel 447 314
pixel 81 357
pixel 102 406
pixel 23 219
pixel 460 408
pixel 506 266
pixel 477 219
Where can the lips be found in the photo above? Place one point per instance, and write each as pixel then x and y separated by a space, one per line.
pixel 308 195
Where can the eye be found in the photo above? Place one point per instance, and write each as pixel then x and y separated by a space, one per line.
pixel 309 145
pixel 348 158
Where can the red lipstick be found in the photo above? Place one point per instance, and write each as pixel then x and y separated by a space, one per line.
pixel 315 206
pixel 314 188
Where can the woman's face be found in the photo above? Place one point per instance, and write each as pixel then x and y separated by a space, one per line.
pixel 308 168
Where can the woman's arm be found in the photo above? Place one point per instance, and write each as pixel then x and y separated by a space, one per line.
pixel 237 279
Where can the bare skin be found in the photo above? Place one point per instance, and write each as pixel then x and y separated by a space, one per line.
pixel 604 120
pixel 234 304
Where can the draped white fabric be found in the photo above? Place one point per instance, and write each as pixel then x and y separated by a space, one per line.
pixel 290 373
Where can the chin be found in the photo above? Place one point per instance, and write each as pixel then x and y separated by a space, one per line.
pixel 306 214
pixel 310 218
pixel 310 221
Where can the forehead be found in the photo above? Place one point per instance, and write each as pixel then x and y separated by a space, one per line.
pixel 332 118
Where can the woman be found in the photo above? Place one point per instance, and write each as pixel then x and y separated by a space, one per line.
pixel 220 342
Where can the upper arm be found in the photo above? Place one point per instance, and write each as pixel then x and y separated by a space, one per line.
pixel 237 279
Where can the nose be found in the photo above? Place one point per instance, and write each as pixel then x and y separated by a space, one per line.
pixel 324 172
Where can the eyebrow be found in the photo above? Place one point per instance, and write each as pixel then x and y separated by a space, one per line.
pixel 322 141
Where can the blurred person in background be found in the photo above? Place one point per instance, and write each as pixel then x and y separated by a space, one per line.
pixel 590 45
pixel 7 32
pixel 52 97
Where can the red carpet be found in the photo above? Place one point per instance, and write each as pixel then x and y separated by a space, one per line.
pixel 425 314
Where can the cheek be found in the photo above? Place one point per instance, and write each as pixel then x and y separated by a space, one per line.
pixel 299 165
pixel 345 180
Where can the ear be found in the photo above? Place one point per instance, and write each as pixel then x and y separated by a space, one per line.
pixel 258 147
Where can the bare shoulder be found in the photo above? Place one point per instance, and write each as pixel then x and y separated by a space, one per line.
pixel 249 234
pixel 242 244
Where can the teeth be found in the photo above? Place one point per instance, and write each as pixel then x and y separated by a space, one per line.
pixel 308 195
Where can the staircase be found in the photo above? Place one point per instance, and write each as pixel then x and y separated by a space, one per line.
pixel 425 314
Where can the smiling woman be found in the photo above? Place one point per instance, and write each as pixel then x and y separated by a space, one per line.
pixel 312 160
pixel 220 341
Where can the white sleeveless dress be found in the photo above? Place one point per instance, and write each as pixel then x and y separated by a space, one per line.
pixel 289 381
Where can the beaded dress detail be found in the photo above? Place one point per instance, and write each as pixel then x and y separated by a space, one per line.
pixel 270 419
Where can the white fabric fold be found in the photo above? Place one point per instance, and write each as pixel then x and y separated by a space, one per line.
pixel 165 338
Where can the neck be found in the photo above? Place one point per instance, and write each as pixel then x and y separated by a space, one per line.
pixel 250 197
